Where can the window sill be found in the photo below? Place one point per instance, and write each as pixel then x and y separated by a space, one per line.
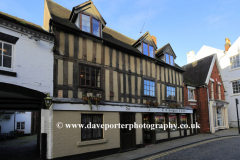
pixel 192 100
pixel 234 69
pixel 237 94
pixel 91 142
pixel 8 73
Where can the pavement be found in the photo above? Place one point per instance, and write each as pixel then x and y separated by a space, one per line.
pixel 24 148
pixel 170 145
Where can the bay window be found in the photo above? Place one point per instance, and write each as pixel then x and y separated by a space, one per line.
pixel 148 50
pixel 90 25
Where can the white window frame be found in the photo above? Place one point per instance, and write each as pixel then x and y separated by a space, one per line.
pixel 12 58
pixel 212 91
pixel 219 91
pixel 231 64
pixel 233 89
pixel 21 125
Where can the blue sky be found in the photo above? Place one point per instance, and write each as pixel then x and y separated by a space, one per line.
pixel 187 24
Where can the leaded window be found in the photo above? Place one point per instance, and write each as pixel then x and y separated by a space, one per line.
pixel 149 88
pixel 90 76
pixel 93 132
pixel 235 61
pixel 236 86
pixel 171 93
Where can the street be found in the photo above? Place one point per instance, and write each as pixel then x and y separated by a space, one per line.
pixel 215 149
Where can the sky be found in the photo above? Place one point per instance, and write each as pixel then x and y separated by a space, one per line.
pixel 186 24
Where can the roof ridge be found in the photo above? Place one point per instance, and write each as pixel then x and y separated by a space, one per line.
pixel 200 59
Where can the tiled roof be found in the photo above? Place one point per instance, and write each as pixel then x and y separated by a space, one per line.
pixel 61 15
pixel 22 22
pixel 196 72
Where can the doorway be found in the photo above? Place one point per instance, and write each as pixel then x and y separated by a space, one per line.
pixel 148 134
pixel 127 137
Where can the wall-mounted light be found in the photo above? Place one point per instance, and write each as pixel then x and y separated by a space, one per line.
pixel 48 101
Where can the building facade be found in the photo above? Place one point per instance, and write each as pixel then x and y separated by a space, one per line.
pixel 204 92
pixel 92 62
pixel 26 70
pixel 230 70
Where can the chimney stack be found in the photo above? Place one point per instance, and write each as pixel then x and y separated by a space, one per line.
pixel 227 44
pixel 154 39
pixel 191 57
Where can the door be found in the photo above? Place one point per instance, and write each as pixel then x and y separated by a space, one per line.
pixel 127 136
pixel 194 120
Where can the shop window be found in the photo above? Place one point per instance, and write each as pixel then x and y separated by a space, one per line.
pixel 219 117
pixel 170 93
pixel 89 76
pixel 173 121
pixel 183 119
pixel 95 132
pixel 160 120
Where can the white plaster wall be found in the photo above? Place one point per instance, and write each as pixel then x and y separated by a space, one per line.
pixel 24 117
pixel 33 63
pixel 227 75
pixel 7 125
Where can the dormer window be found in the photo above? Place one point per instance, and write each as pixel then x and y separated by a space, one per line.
pixel 169 59
pixel 90 24
pixel 148 50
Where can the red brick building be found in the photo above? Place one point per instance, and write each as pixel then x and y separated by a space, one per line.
pixel 204 92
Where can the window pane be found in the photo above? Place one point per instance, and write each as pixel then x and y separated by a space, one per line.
pixel 86 23
pixel 7 49
pixel 183 119
pixel 160 120
pixel 145 49
pixel 167 58
pixel 151 51
pixel 173 120
pixel 7 61
pixel 18 125
pixel 171 60
pixel 93 78
pixel 23 125
pixel 95 25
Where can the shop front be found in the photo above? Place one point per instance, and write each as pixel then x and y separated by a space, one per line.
pixel 218 115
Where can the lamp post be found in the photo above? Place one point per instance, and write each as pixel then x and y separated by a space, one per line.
pixel 237 114
pixel 48 101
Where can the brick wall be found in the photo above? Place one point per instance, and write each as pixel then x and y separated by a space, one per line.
pixel 202 100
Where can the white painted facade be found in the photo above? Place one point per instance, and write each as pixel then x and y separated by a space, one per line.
pixel 228 75
pixel 7 125
pixel 26 118
pixel 32 61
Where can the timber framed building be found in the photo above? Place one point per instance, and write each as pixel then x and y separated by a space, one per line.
pixel 91 59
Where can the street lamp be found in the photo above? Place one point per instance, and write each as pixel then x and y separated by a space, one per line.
pixel 48 101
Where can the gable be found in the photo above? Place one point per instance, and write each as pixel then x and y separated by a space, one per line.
pixel 87 8
pixel 146 38
pixel 166 49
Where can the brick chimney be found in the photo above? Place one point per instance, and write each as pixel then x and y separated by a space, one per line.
pixel 227 44
pixel 154 39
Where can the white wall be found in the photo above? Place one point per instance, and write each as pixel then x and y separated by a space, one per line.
pixel 33 63
pixel 7 125
pixel 227 75
pixel 24 117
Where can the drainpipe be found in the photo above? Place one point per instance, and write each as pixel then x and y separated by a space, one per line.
pixel 208 109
